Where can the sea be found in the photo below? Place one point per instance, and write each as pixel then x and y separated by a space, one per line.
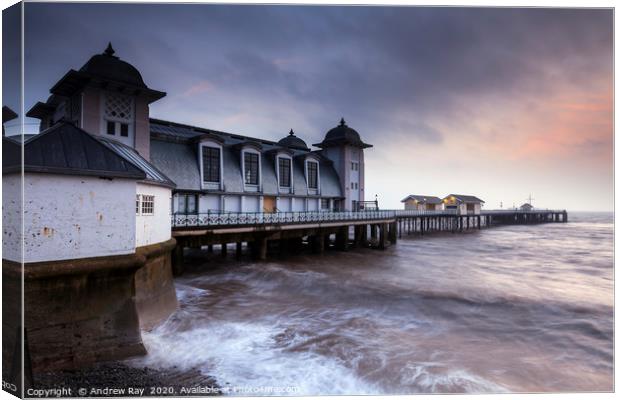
pixel 521 308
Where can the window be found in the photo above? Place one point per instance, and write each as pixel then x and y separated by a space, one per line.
pixel 250 161
pixel 313 175
pixel 324 204
pixel 137 204
pixel 352 166
pixel 148 204
pixel 118 114
pixel 187 204
pixel 210 164
pixel 111 128
pixel 284 169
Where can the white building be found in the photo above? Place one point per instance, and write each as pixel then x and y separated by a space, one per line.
pixel 422 203
pixel 210 171
pixel 463 204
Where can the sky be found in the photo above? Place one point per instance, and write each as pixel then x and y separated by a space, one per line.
pixel 499 103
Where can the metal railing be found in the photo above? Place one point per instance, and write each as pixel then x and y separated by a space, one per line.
pixel 260 218
pixel 299 217
pixel 518 211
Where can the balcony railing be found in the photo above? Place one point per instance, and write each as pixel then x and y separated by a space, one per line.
pixel 245 218
pixel 211 219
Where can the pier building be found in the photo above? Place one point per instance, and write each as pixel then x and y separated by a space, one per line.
pixel 463 204
pixel 113 198
pixel 422 203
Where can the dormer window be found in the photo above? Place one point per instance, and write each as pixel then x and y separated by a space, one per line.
pixel 284 172
pixel 251 168
pixel 211 164
pixel 312 175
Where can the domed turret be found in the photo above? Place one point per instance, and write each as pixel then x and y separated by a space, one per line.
pixel 342 134
pixel 293 142
pixel 109 67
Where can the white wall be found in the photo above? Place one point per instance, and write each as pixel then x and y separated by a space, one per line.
pixel 284 204
pixel 11 217
pixel 251 204
pixel 209 203
pixel 313 204
pixel 154 228
pixel 299 204
pixel 69 217
pixel 232 203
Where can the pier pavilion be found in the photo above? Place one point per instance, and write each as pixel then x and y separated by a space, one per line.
pixel 111 194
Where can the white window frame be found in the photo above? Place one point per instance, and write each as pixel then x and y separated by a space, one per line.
pixel 250 187
pixel 150 197
pixel 211 185
pixel 318 175
pixel 284 189
pixel 140 204
pixel 129 121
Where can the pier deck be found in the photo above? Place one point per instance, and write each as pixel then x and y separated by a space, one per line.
pixel 289 230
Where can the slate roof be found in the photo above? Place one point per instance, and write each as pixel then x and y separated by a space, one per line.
pixel 174 151
pixel 462 198
pixel 423 199
pixel 8 114
pixel 66 149
pixel 153 174
pixel 11 155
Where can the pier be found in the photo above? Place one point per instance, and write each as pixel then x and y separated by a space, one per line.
pixel 289 232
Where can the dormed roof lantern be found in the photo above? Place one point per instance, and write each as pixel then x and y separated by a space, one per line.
pixel 293 142
pixel 106 70
pixel 342 134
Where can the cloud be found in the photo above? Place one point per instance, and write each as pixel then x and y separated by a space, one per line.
pixel 472 87
pixel 198 88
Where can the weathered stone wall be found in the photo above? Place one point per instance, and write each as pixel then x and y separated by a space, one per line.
pixel 11 332
pixel 155 294
pixel 78 312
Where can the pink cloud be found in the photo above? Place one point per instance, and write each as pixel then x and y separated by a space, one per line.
pixel 198 88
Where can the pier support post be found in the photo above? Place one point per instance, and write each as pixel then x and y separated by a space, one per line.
pixel 210 249
pixel 373 231
pixel 318 243
pixel 261 249
pixel 383 236
pixel 357 235
pixel 564 217
pixel 239 249
pixel 393 232
pixel 364 235
pixel 342 238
